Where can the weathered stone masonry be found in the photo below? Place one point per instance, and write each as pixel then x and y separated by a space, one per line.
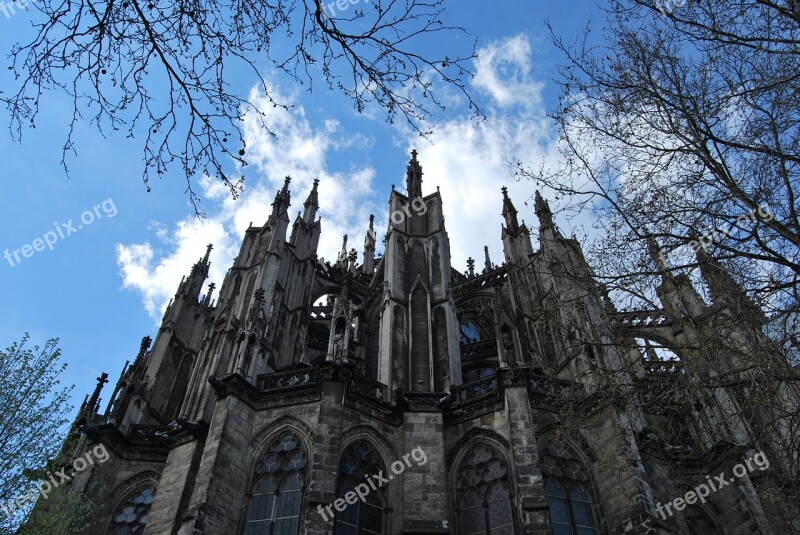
pixel 251 413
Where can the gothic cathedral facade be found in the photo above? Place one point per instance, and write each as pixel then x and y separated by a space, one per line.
pixel 398 395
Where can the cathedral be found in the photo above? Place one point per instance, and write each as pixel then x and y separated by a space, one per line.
pixel 394 394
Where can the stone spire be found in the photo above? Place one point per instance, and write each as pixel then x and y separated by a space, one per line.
pixel 414 177
pixel 657 255
pixel 192 285
pixel 517 246
pixel 724 289
pixel 311 204
pixel 342 260
pixel 93 405
pixel 509 212
pixel 369 247
pixel 543 212
pixel 282 200
pixel 487 260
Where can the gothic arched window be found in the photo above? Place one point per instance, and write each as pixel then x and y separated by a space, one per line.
pixel 277 494
pixel 131 517
pixel 359 462
pixel 571 508
pixel 474 374
pixel 484 494
pixel 470 332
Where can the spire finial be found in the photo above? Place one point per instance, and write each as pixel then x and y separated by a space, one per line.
pixel 414 176
pixel 312 203
pixel 509 212
pixel 542 210
pixel 371 221
pixel 657 254
pixel 487 260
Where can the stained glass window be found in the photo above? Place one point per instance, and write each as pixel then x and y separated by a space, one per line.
pixel 470 332
pixel 131 517
pixel 484 506
pixel 357 464
pixel 278 492
pixel 571 509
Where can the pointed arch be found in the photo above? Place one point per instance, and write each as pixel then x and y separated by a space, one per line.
pixel 133 499
pixel 180 385
pixel 275 499
pixel 358 464
pixel 484 491
pixel 568 488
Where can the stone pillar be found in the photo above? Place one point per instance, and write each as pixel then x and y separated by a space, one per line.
pixel 219 498
pixel 325 460
pixel 424 486
pixel 174 487
pixel 525 456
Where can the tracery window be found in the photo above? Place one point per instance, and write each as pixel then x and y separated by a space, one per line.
pixel 474 374
pixel 359 462
pixel 470 332
pixel 277 494
pixel 484 494
pixel 131 517
pixel 571 507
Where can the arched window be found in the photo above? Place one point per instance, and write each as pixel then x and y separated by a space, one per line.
pixel 571 508
pixel 358 463
pixel 470 332
pixel 131 517
pixel 484 494
pixel 474 374
pixel 277 494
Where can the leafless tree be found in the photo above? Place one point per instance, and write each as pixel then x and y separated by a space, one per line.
pixel 162 71
pixel 680 131
pixel 677 124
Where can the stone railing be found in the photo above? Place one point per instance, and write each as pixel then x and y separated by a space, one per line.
pixel 628 320
pixel 366 386
pixel 664 367
pixel 476 389
pixel 320 313
pixel 288 379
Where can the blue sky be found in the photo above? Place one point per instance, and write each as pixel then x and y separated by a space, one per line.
pixel 103 287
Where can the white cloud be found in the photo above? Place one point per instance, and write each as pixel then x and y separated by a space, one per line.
pixel 503 71
pixel 298 151
pixel 470 162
